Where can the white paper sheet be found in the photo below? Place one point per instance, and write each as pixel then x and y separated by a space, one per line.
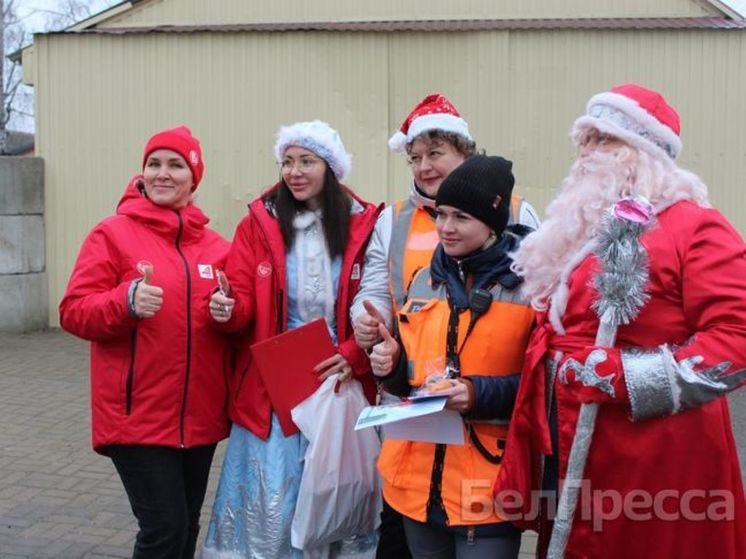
pixel 445 426
pixel 422 420
pixel 380 415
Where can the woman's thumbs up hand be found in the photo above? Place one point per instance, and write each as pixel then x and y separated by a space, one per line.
pixel 148 297
pixel 385 355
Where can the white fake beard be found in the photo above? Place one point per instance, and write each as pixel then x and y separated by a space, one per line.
pixel 594 183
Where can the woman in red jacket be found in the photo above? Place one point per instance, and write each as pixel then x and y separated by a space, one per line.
pixel 159 372
pixel 296 256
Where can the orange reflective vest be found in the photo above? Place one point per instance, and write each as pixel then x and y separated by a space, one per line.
pixel 413 240
pixel 496 347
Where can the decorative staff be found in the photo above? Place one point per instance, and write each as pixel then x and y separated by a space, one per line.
pixel 622 293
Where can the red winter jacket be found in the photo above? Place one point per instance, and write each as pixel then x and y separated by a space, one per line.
pixel 161 380
pixel 256 271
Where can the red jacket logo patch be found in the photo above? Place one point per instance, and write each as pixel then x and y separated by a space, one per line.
pixel 264 269
pixel 355 275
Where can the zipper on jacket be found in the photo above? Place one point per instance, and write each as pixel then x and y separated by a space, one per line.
pixel 471 532
pixel 188 330
pixel 280 305
pixel 436 482
pixel 130 373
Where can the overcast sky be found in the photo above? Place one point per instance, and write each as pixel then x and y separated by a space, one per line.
pixel 36 16
pixel 36 13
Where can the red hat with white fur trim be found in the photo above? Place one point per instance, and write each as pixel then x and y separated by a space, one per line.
pixel 434 112
pixel 639 116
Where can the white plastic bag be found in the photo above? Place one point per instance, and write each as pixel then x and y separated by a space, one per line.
pixel 340 491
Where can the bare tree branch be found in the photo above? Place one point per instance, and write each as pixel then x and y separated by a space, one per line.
pixel 16 99
pixel 3 111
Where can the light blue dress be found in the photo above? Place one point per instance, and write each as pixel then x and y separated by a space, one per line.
pixel 259 483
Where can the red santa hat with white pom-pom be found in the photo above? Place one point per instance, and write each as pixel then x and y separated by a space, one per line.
pixel 434 112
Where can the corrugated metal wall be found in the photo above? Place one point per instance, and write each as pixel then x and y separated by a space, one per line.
pixel 186 12
pixel 99 98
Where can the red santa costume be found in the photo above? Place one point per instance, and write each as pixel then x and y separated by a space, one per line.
pixel 662 476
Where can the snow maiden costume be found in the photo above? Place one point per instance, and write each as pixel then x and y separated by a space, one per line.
pixel 277 288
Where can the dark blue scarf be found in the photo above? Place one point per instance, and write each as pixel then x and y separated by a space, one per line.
pixel 486 267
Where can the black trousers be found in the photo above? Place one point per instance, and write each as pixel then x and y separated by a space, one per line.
pixel 392 540
pixel 166 488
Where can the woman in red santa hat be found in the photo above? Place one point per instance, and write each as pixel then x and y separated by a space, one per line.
pixel 631 238
pixel 436 141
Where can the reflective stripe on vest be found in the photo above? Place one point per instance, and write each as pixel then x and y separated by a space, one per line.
pixel 422 298
pixel 420 288
pixel 413 241
pixel 495 347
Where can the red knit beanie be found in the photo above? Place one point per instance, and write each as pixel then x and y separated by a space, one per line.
pixel 181 141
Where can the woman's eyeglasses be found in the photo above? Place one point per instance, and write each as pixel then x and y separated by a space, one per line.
pixel 304 164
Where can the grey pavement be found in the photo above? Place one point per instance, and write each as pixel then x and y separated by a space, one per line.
pixel 58 498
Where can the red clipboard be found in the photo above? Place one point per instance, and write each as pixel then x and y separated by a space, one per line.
pixel 286 363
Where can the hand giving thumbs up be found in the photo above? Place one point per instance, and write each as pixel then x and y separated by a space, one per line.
pixel 366 326
pixel 221 305
pixel 385 355
pixel 148 297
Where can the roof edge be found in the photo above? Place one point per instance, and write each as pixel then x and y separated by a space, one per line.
pixel 709 22
pixel 735 9
pixel 100 17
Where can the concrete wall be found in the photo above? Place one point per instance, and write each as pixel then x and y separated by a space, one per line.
pixel 23 277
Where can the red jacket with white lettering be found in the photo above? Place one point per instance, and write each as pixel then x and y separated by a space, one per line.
pixel 256 271
pixel 160 380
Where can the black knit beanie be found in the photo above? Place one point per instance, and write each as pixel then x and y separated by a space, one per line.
pixel 481 186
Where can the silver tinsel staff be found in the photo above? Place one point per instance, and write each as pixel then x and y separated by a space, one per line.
pixel 622 293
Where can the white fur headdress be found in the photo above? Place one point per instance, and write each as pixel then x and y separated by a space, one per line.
pixel 318 137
